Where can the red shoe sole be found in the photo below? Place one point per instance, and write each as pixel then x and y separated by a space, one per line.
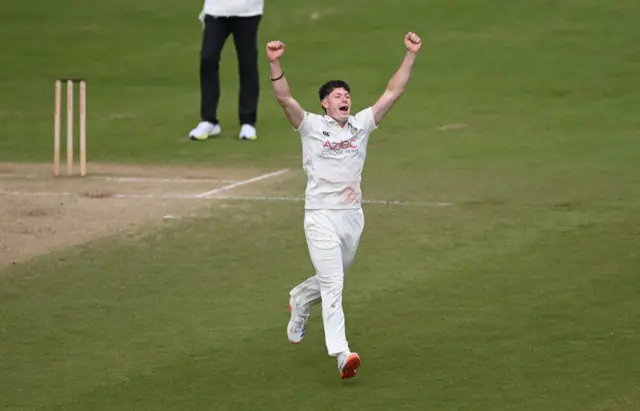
pixel 350 367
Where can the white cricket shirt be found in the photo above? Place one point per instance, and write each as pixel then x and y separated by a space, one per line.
pixel 239 8
pixel 333 158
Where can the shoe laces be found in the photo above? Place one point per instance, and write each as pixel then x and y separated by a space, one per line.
pixel 300 320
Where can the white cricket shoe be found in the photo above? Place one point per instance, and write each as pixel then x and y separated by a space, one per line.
pixel 204 130
pixel 248 132
pixel 348 363
pixel 298 322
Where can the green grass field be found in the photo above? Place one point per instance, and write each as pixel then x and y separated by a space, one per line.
pixel 520 295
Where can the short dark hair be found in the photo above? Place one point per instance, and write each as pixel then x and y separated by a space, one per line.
pixel 331 85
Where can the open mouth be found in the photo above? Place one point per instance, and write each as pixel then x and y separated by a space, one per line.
pixel 344 109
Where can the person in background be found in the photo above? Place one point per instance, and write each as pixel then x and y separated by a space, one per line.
pixel 222 18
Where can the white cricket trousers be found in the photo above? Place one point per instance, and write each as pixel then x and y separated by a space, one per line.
pixel 332 238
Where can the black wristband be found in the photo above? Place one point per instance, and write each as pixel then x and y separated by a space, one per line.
pixel 279 77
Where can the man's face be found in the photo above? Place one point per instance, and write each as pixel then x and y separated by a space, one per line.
pixel 338 104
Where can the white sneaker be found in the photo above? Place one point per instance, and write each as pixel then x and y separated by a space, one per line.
pixel 348 363
pixel 204 130
pixel 248 132
pixel 298 322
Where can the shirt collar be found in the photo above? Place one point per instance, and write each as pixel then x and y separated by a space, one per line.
pixel 350 121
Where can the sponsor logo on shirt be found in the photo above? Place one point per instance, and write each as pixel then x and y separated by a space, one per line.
pixel 339 148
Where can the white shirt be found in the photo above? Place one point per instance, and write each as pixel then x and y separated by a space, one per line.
pixel 333 158
pixel 226 8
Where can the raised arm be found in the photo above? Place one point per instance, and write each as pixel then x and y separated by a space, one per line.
pixel 280 87
pixel 399 81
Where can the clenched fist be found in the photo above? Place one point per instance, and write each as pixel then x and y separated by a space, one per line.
pixel 412 42
pixel 275 49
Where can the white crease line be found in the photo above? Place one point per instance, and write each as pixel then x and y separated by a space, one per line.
pixel 261 198
pixel 409 203
pixel 300 199
pixel 37 194
pixel 156 196
pixel 97 195
pixel 199 197
pixel 25 176
pixel 241 183
pixel 129 179
pixel 164 180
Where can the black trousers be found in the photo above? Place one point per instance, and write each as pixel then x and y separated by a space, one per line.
pixel 245 37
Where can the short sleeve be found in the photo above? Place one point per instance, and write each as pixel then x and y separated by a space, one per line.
pixel 366 119
pixel 307 125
